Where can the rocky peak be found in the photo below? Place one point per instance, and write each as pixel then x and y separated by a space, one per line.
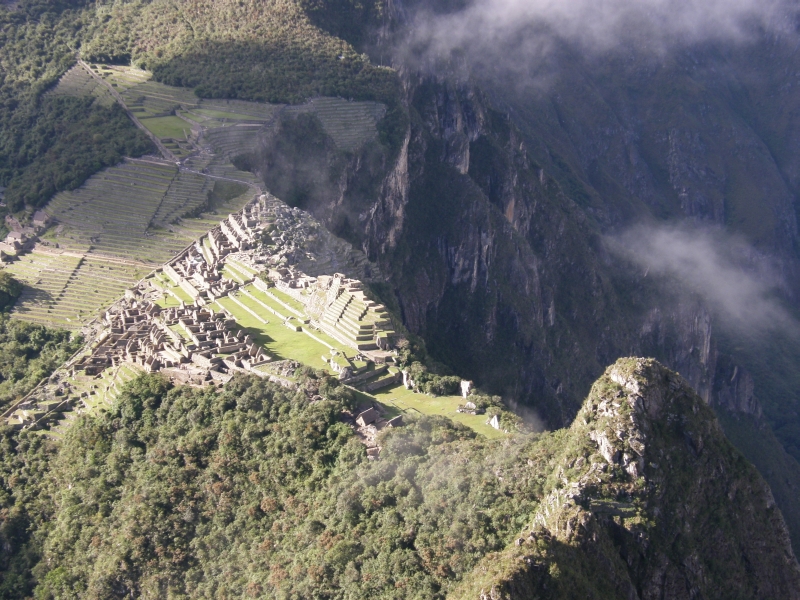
pixel 647 499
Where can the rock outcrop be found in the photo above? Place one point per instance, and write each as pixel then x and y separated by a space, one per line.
pixel 648 501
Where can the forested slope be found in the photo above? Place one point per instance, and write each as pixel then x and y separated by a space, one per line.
pixel 258 491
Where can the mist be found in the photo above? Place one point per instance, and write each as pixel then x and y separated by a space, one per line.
pixel 740 286
pixel 525 31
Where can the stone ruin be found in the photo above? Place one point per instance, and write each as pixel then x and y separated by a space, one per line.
pixel 333 304
pixel 266 244
pixel 368 422
pixel 206 342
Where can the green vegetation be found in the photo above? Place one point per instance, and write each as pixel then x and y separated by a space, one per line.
pixel 28 353
pixel 141 500
pixel 350 20
pixel 167 127
pixel 112 232
pixel 278 340
pixel 229 49
pixel 409 402
pixel 235 50
pixel 10 289
pixel 602 530
pixel 127 210
pixel 219 114
pixel 79 83
pixel 67 291
pixel 34 51
pixel 80 138
pixel 262 491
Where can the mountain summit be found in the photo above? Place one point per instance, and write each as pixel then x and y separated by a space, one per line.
pixel 647 500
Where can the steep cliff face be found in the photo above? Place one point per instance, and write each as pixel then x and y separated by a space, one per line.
pixel 503 273
pixel 485 251
pixel 496 260
pixel 649 500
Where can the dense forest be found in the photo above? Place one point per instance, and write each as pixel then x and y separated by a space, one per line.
pixel 10 289
pixel 252 490
pixel 51 144
pixel 257 490
pixel 29 353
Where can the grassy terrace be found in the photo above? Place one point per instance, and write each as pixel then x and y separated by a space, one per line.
pixel 102 393
pixel 116 228
pixel 167 127
pixel 350 124
pixel 45 276
pixel 207 114
pixel 171 291
pixel 128 211
pixel 220 166
pixel 232 140
pixel 79 83
pixel 406 401
pixel 66 291
pixel 279 341
pixel 285 299
pixel 257 111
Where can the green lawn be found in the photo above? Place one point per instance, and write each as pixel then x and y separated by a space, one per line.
pixel 288 300
pixel 168 301
pixel 269 316
pixel 167 127
pixel 181 332
pixel 279 341
pixel 165 283
pixel 232 274
pixel 406 401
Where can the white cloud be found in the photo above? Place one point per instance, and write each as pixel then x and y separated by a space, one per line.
pixel 529 26
pixel 737 283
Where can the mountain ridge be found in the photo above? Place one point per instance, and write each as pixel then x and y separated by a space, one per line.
pixel 657 538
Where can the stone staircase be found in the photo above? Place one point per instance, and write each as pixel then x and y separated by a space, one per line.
pixel 344 320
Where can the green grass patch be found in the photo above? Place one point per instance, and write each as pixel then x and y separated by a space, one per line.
pixel 219 114
pixel 167 127
pixel 288 300
pixel 279 341
pixel 406 401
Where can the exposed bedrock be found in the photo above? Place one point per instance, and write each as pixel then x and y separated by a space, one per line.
pixel 649 500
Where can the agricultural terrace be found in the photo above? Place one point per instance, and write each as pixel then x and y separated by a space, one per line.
pixel 400 400
pixel 221 167
pixel 111 232
pixel 128 211
pixel 233 140
pixel 66 289
pixel 93 393
pixel 231 127
pixel 349 124
pixel 78 82
pixel 263 317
